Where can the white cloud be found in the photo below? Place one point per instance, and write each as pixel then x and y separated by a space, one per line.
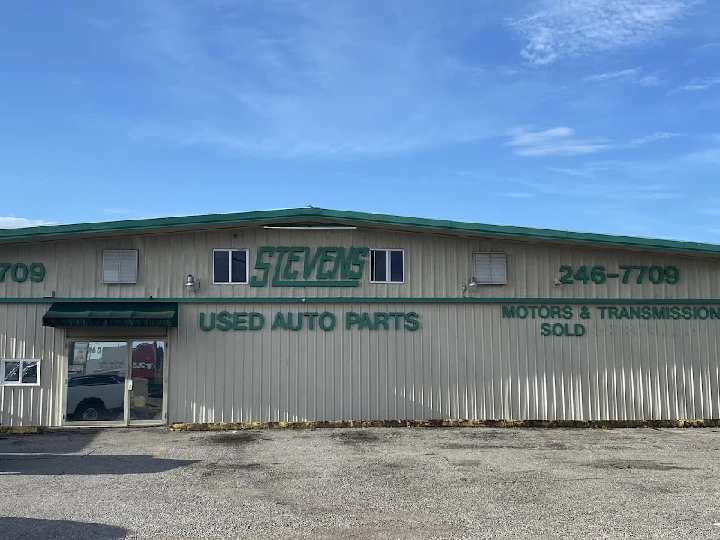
pixel 623 74
pixel 517 194
pixel 650 80
pixel 701 83
pixel 601 189
pixel 557 141
pixel 318 79
pixel 571 28
pixel 560 141
pixel 709 156
pixel 631 75
pixel 10 222
pixel 659 136
pixel 581 172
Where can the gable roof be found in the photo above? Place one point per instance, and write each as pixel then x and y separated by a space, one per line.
pixel 322 215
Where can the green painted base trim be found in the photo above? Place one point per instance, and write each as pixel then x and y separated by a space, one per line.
pixel 377 300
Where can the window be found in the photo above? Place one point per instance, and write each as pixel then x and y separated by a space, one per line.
pixel 230 266
pixel 490 268
pixel 20 372
pixel 387 266
pixel 120 266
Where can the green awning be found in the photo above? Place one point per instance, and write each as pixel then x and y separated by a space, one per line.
pixel 105 314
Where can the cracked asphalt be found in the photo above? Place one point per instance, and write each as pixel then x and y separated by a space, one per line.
pixel 361 483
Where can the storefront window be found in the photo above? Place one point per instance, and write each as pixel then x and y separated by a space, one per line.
pixel 115 381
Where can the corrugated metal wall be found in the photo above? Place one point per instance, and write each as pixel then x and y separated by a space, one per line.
pixel 436 266
pixel 22 335
pixel 465 362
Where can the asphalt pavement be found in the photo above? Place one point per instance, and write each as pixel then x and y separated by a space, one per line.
pixel 361 483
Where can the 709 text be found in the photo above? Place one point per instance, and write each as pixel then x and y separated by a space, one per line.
pixel 20 272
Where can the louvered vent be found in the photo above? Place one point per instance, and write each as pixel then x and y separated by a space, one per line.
pixel 491 268
pixel 120 265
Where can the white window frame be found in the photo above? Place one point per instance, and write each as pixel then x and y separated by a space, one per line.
pixel 19 382
pixel 137 270
pixel 491 253
pixel 247 267
pixel 387 266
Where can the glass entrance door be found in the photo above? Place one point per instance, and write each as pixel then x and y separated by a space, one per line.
pixel 96 381
pixel 115 382
pixel 146 381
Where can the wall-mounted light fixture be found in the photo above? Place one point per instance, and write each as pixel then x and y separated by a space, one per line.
pixel 192 284
pixel 472 282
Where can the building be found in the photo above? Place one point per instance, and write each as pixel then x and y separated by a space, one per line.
pixel 311 314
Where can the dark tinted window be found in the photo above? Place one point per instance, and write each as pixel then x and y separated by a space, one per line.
pixel 30 373
pixel 378 265
pixel 238 267
pixel 387 265
pixel 12 372
pixel 396 266
pixel 221 266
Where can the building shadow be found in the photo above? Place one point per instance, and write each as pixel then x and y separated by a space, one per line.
pixel 19 528
pixel 90 464
pixel 61 441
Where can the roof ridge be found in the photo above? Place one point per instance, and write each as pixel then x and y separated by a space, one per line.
pixel 249 217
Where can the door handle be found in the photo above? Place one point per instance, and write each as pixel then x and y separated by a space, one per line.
pixel 130 385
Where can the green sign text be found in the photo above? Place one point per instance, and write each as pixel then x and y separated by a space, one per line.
pixel 312 320
pixel 299 266
pixel 626 273
pixel 21 272
pixel 554 317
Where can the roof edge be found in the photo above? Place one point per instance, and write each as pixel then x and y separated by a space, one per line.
pixel 353 217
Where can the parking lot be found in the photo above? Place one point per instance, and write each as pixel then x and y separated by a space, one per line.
pixel 361 483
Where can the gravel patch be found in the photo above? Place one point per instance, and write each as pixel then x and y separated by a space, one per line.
pixel 361 483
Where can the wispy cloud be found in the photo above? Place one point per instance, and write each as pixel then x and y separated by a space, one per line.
pixel 659 136
pixel 10 222
pixel 708 156
pixel 602 190
pixel 570 28
pixel 701 83
pixel 622 74
pixel 516 194
pixel 650 80
pixel 559 141
pixel 583 172
pixel 632 75
pixel 318 79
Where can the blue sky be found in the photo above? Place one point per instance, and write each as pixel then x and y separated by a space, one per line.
pixel 591 115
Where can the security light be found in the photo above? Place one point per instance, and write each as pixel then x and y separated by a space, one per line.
pixel 192 284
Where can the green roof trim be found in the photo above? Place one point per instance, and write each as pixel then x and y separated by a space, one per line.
pixel 112 314
pixel 92 303
pixel 297 216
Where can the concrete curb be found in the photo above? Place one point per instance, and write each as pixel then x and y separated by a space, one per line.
pixel 596 424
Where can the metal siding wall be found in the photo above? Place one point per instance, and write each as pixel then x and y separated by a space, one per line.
pixel 465 362
pixel 436 266
pixel 22 335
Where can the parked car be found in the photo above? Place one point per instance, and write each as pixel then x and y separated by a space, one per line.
pixel 95 397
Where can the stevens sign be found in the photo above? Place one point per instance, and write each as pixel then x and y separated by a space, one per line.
pixel 298 266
